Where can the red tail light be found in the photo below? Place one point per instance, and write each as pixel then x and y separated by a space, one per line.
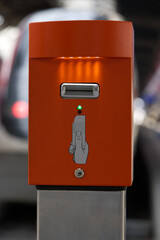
pixel 20 109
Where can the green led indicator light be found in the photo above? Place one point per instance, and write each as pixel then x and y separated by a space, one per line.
pixel 79 107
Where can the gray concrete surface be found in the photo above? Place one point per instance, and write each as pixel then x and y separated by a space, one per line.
pixel 14 169
pixel 14 178
pixel 10 143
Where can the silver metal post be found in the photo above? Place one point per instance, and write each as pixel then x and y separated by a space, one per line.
pixel 80 215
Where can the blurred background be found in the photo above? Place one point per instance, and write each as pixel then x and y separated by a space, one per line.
pixel 17 199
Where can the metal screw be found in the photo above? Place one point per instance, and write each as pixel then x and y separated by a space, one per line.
pixel 79 173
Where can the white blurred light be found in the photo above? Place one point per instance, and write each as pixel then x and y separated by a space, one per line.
pixel 8 39
pixel 139 111
pixel 102 7
pixel 139 116
pixel 139 103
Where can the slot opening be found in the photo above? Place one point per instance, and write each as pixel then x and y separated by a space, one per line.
pixel 79 90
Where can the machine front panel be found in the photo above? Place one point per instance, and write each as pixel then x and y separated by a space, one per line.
pixel 83 141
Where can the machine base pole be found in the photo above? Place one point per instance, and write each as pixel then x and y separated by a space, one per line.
pixel 80 215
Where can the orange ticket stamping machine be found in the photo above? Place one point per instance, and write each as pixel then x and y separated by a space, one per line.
pixel 80 126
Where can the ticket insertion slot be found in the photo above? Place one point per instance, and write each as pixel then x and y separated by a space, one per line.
pixel 79 90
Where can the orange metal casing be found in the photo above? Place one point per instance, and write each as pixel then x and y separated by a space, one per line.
pixel 77 52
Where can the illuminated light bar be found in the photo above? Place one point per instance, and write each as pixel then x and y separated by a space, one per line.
pixel 80 57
